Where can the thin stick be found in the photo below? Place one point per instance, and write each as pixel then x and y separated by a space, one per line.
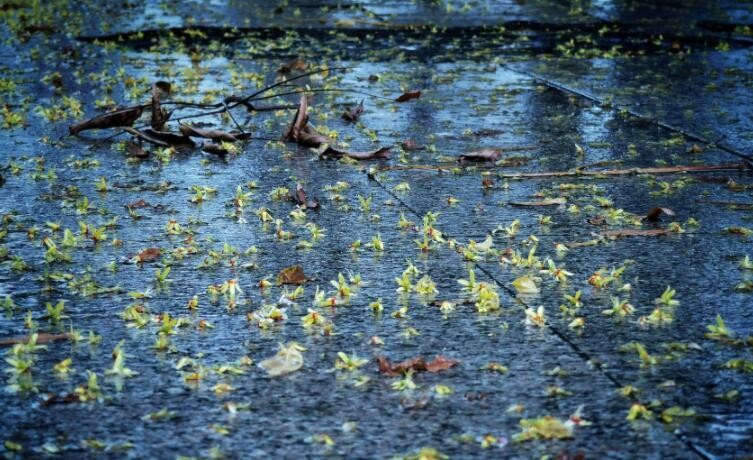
pixel 581 173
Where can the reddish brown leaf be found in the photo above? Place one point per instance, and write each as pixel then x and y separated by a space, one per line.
pixel 148 255
pixel 122 117
pixel 655 214
pixel 140 203
pixel 440 363
pixel 597 220
pixel 408 95
pixel 416 364
pixel 292 275
pixel 480 155
pixel 353 113
pixel 42 337
pixel 213 134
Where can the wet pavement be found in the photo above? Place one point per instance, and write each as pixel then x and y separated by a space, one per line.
pixel 624 88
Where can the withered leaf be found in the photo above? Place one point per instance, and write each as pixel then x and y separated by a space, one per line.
pixel 597 220
pixel 213 134
pixel 159 115
pixel 147 255
pixel 382 152
pixel 408 95
pixel 162 138
pixel 301 198
pixel 410 145
pixel 480 155
pixel 353 113
pixel 135 150
pixel 635 232
pixel 297 65
pixel 42 337
pixel 655 214
pixel 214 149
pixel 140 203
pixel 547 202
pixel 439 363
pixel 292 275
pixel 122 117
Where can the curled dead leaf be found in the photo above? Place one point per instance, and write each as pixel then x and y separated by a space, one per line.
pixel 547 202
pixel 439 363
pixel 480 156
pixel 655 214
pixel 147 255
pixel 292 275
pixel 118 118
pixel 162 138
pixel 135 150
pixel 353 113
pixel 382 152
pixel 408 95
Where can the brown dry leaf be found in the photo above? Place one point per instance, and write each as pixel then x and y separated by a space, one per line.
pixel 410 145
pixel 301 198
pixel 353 113
pixel 214 149
pixel 140 203
pixel 417 364
pixel 296 64
pixel 480 155
pixel 408 95
pixel 213 134
pixel 135 150
pixel 162 138
pixel 655 214
pixel 382 152
pixel 292 275
pixel 547 202
pixel 440 363
pixel 635 232
pixel 42 337
pixel 597 220
pixel 122 117
pixel 487 182
pixel 148 255
pixel 159 115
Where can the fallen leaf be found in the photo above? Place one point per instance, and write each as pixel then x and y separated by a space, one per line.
pixel 634 232
pixel 213 134
pixel 655 214
pixel 547 202
pixel 214 149
pixel 159 115
pixel 135 150
pixel 382 152
pixel 122 117
pixel 148 255
pixel 140 203
pixel 292 275
pixel 301 198
pixel 417 364
pixel 353 113
pixel 408 95
pixel 162 138
pixel 296 64
pixel 480 155
pixel 410 145
pixel 597 220
pixel 287 359
pixel 440 363
pixel 42 337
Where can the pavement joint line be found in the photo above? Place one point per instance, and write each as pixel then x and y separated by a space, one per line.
pixel 646 119
pixel 553 330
